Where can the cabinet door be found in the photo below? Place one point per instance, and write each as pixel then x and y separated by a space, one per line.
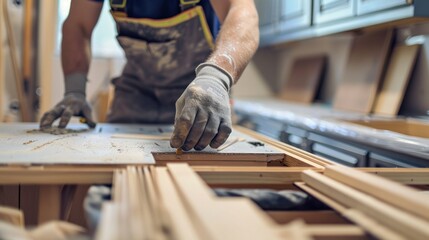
pixel 330 10
pixel 294 14
pixel 338 151
pixel 267 16
pixel 376 160
pixel 368 6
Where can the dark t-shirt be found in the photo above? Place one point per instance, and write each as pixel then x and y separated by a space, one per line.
pixel 160 9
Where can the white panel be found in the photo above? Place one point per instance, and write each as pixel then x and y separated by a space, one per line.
pixel 368 6
pixel 343 9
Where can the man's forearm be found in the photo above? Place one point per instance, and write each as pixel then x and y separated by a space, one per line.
pixel 238 39
pixel 75 49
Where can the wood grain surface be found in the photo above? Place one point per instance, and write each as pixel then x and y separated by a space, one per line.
pixel 364 71
pixel 396 81
pixel 304 79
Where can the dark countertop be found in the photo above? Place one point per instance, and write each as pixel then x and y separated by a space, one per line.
pixel 328 121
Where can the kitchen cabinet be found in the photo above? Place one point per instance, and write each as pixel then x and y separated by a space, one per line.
pixel 294 14
pixel 370 6
pixel 267 16
pixel 337 151
pixel 283 15
pixel 330 10
pixel 376 160
pixel 296 137
pixel 284 21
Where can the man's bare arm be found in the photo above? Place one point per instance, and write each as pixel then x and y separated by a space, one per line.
pixel 238 38
pixel 75 58
pixel 77 31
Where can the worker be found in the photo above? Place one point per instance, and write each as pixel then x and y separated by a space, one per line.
pixel 175 71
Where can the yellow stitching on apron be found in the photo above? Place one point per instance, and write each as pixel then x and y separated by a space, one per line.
pixel 185 5
pixel 169 22
pixel 185 2
pixel 122 5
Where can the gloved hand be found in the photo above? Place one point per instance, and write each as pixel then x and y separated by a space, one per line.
pixel 73 104
pixel 203 114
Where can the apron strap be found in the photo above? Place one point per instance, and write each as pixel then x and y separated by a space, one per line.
pixel 187 4
pixel 118 5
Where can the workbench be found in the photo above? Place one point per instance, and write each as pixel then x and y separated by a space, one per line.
pixel 47 177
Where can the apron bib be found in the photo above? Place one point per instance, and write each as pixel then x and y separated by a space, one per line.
pixel 161 59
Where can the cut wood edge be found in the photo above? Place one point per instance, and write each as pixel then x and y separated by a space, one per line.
pixel 404 223
pixel 371 226
pixel 388 191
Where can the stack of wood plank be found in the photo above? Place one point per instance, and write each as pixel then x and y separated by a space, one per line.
pixel 173 202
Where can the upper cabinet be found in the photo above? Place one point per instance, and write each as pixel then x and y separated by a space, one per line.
pixel 291 20
pixel 267 20
pixel 276 16
pixel 369 6
pixel 294 14
pixel 329 10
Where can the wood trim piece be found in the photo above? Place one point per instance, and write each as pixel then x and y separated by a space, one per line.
pixel 237 217
pixel 180 218
pixel 55 176
pixel 390 192
pixel 353 215
pixel 403 222
pixel 250 175
pixel 306 158
pixel 410 176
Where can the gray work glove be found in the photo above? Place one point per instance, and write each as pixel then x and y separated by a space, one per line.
pixel 73 104
pixel 203 114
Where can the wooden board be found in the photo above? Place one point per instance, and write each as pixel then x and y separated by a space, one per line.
pixel 397 77
pixel 20 145
pixel 403 222
pixel 303 82
pixel 364 70
pixel 2 72
pixel 390 192
pixel 410 127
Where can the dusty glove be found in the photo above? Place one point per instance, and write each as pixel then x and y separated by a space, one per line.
pixel 203 114
pixel 73 104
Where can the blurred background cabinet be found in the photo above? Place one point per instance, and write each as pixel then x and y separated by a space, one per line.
pixel 369 6
pixel 284 21
pixel 294 14
pixel 330 10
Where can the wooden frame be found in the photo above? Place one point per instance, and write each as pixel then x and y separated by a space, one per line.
pixel 177 197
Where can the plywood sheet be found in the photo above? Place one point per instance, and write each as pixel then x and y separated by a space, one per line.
pixel 364 70
pixel 20 145
pixel 397 77
pixel 303 82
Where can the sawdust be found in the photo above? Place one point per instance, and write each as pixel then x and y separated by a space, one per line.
pixel 58 131
pixel 29 142
pixel 50 142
